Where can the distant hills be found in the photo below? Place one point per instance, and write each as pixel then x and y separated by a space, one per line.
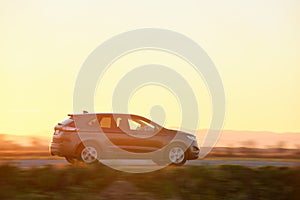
pixel 255 139
pixel 22 142
pixel 229 138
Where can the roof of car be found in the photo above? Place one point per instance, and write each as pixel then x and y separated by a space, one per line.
pixel 79 114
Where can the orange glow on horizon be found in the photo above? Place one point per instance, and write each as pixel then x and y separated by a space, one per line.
pixel 255 46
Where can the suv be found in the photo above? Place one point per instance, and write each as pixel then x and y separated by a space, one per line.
pixel 89 137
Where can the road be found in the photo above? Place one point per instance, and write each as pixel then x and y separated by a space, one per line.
pixel 249 163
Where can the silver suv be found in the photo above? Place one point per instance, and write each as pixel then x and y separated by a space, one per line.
pixel 89 137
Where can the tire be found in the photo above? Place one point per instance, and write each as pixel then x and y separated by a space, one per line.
pixel 176 155
pixel 168 157
pixel 89 153
pixel 71 160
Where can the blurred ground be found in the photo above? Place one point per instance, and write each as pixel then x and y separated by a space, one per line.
pixel 148 164
pixel 187 183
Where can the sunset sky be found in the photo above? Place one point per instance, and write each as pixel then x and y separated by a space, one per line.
pixel 254 44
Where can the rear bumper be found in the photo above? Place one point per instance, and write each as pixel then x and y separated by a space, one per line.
pixel 61 149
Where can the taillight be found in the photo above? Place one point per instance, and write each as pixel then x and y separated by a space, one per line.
pixel 69 129
pixel 59 130
pixel 56 132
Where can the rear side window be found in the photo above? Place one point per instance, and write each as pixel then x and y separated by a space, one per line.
pixel 105 122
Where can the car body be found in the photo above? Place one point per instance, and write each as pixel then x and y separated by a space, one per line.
pixel 89 137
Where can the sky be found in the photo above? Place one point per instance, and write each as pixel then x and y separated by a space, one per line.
pixel 254 44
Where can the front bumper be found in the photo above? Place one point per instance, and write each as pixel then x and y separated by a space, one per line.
pixel 193 151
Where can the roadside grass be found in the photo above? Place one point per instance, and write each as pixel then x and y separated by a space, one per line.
pixel 194 182
pixel 254 159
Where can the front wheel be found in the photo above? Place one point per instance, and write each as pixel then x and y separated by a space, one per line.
pixel 176 155
pixel 173 155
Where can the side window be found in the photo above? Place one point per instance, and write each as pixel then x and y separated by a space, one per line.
pixel 105 122
pixel 118 122
pixel 145 126
pixel 93 122
pixel 140 125
pixel 133 125
pixel 122 123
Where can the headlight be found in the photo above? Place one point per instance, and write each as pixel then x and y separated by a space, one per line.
pixel 191 137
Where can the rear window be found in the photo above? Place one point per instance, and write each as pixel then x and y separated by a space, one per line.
pixel 68 122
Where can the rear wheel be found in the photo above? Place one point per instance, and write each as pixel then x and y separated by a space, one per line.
pixel 89 154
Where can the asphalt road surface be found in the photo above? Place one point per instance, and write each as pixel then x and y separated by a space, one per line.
pixel 249 163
